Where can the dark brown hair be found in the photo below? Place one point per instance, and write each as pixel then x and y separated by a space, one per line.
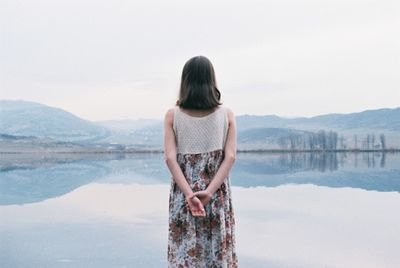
pixel 198 89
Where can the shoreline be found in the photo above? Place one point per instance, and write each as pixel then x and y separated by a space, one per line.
pixel 145 151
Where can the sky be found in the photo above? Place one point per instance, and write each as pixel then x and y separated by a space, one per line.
pixel 114 60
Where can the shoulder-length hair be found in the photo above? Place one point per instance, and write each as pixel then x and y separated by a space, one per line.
pixel 198 89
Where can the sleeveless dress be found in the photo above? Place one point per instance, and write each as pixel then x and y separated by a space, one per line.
pixel 201 242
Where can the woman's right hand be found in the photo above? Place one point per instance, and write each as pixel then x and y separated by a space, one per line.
pixel 196 206
pixel 205 196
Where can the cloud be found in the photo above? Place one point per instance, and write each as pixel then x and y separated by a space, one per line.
pixel 281 52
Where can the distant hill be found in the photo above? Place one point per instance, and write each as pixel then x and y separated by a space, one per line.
pixel 11 143
pixel 128 125
pixel 260 134
pixel 25 118
pixel 381 119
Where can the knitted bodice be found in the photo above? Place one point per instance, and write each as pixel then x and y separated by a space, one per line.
pixel 200 134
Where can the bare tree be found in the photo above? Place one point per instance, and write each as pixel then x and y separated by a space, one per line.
pixel 373 140
pixel 383 141
pixel 342 144
pixel 355 141
pixel 367 142
pixel 322 139
pixel 311 141
pixel 333 140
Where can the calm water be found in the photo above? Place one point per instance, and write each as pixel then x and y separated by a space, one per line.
pixel 292 210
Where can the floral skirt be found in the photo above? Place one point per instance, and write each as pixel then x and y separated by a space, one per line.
pixel 201 242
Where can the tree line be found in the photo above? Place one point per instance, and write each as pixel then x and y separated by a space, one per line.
pixel 330 140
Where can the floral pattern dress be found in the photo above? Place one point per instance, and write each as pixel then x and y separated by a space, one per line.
pixel 201 242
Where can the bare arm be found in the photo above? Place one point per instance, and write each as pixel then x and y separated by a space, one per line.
pixel 223 171
pixel 170 154
pixel 229 158
pixel 194 203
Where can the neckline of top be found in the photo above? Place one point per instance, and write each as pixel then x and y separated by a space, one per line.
pixel 198 117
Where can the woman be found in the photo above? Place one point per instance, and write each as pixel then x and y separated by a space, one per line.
pixel 200 150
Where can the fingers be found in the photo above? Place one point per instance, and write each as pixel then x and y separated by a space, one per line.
pixel 199 213
pixel 197 210
pixel 196 206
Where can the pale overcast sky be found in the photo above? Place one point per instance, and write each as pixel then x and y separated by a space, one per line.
pixel 120 59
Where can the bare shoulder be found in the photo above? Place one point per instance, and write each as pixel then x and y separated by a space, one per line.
pixel 169 115
pixel 231 115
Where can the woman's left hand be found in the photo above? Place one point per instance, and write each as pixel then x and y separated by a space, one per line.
pixel 195 205
pixel 204 196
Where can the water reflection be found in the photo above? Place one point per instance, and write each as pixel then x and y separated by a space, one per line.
pixel 356 170
pixel 322 161
pixel 95 225
pixel 125 225
pixel 27 178
pixel 291 162
pixel 32 178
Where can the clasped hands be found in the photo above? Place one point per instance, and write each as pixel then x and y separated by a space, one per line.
pixel 197 201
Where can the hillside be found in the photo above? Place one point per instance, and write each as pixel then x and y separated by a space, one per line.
pixel 380 119
pixel 360 130
pixel 25 118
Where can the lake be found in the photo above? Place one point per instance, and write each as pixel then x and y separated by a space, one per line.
pixel 291 210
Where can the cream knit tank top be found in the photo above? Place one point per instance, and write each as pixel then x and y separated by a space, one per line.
pixel 195 135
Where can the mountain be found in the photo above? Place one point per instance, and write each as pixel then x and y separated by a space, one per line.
pixel 356 130
pixel 263 138
pixel 388 119
pixel 25 118
pixel 32 119
pixel 11 143
pixel 128 125
pixel 380 119
pixel 139 133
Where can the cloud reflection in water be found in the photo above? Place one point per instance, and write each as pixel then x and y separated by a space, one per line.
pixel 125 225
